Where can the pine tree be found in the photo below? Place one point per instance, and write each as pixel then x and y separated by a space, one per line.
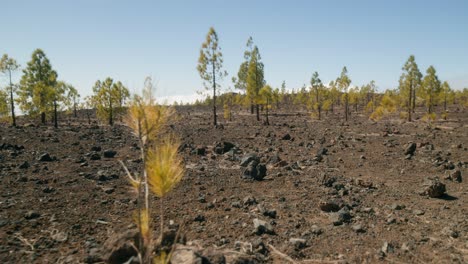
pixel 3 105
pixel 58 95
pixel 431 87
pixel 8 66
pixel 343 83
pixel 105 99
pixel 36 86
pixel 266 96
pixel 446 92
pixel 317 89
pixel 410 81
pixel 210 64
pixel 255 79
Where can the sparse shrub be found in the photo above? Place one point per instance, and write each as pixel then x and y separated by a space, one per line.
pixel 404 115
pixel 429 117
pixel 370 107
pixel 387 106
pixel 162 166
pixel 444 115
pixel 377 114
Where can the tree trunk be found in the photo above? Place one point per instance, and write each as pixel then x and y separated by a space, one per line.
pixel 12 104
pixel 55 114
pixel 346 107
pixel 215 120
pixel 445 103
pixel 266 111
pixel 410 103
pixel 43 118
pixel 414 100
pixel 318 103
pixel 111 119
pixel 74 110
pixel 252 107
pixel 258 112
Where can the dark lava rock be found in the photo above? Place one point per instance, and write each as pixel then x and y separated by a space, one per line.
pixel 433 188
pixel 200 150
pixel 255 171
pixel 24 165
pixel 96 148
pixel 121 248
pixel 32 215
pixel 227 146
pixel 455 176
pixel 329 206
pixel 45 157
pixel 322 151
pixel 248 158
pixel 95 156
pixel 262 227
pixel 340 217
pixel 298 243
pixel 410 149
pixel 110 153
pixel 286 137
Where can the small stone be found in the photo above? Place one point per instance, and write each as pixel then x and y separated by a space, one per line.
pixel 418 212
pixel 45 158
pixel 391 220
pixel 248 158
pixel 249 200
pixel 358 228
pixel 316 230
pixel 340 217
pixel 199 218
pixel 329 206
pixel 95 156
pixel 96 148
pixel 286 137
pixel 298 243
pixel 261 227
pixel 60 237
pixel 387 248
pixel 24 165
pixel 48 189
pixel 396 207
pixel 450 232
pixel 410 149
pixel 455 176
pixel 32 215
pixel 110 153
pixel 322 151
pixel 108 190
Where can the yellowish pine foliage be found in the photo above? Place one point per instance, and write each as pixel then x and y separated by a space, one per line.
pixel 164 167
pixel 147 118
pixel 141 217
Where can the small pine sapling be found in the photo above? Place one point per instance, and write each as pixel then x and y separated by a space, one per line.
pixel 162 165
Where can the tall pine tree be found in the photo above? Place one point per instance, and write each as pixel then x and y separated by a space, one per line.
pixel 37 85
pixel 210 63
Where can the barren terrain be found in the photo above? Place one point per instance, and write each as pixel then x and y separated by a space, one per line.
pixel 333 191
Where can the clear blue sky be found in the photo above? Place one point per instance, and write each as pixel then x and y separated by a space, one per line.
pixel 88 40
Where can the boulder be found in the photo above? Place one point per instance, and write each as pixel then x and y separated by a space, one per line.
pixel 255 171
pixel 433 188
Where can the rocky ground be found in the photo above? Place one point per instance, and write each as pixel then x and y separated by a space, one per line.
pixel 299 190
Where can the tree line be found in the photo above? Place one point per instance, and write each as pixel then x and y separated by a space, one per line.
pixel 254 92
pixel 40 93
